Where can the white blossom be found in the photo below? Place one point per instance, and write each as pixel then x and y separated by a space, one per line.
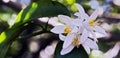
pixel 67 27
pixel 75 39
pixel 88 22
pixel 92 26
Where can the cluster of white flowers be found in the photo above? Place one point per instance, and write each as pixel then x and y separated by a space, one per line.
pixel 76 31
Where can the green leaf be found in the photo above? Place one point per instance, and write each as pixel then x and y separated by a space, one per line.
pixel 75 53
pixel 4 50
pixel 33 11
pixel 41 9
pixel 103 46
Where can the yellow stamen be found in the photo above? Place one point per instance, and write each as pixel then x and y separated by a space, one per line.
pixel 92 22
pixel 67 30
pixel 76 42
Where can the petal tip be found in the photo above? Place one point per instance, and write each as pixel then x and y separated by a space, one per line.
pixel 62 53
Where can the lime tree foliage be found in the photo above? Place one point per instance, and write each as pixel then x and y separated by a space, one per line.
pixel 39 9
pixel 42 8
pixel 10 34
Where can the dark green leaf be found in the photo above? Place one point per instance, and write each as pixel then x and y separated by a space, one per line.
pixel 4 50
pixel 33 11
pixel 103 46
pixel 41 9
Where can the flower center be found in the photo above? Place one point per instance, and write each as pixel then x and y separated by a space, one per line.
pixel 76 42
pixel 67 30
pixel 92 22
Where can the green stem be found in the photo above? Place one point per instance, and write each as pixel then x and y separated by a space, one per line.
pixel 34 34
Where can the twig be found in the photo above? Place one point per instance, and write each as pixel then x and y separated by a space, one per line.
pixel 34 34
pixel 111 16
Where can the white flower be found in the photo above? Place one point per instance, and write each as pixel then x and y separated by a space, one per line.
pixel 91 25
pixel 67 27
pixel 75 39
pixel 89 22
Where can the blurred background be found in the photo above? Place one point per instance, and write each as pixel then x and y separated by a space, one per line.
pixel 109 19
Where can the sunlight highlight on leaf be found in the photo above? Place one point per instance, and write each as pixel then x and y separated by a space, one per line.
pixel 31 10
pixel 2 37
pixel 19 17
pixel 74 8
pixel 70 1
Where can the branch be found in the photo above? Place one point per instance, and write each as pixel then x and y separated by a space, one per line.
pixel 34 34
pixel 16 7
pixel 111 16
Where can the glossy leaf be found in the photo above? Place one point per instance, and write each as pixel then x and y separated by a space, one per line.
pixel 41 9
pixel 33 11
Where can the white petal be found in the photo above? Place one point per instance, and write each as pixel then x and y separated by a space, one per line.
pixel 100 30
pixel 67 50
pixel 74 29
pixel 68 40
pixel 87 26
pixel 43 54
pixel 77 22
pixel 49 50
pixel 54 21
pixel 84 36
pixel 80 9
pixel 94 14
pixel 81 28
pixel 97 53
pixel 65 19
pixel 58 29
pixel 87 49
pixel 77 14
pixel 62 37
pixel 114 51
pixel 92 44
pixel 94 36
pixel 86 17
pixel 81 13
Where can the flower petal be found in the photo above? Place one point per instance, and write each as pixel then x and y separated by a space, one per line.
pixel 86 17
pixel 74 29
pixel 94 14
pixel 54 21
pixel 113 52
pixel 77 22
pixel 87 26
pixel 68 40
pixel 100 30
pixel 43 54
pixel 58 29
pixel 62 37
pixel 67 50
pixel 92 44
pixel 94 36
pixel 81 13
pixel 65 19
pixel 87 49
pixel 49 50
pixel 77 14
pixel 80 9
pixel 84 36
